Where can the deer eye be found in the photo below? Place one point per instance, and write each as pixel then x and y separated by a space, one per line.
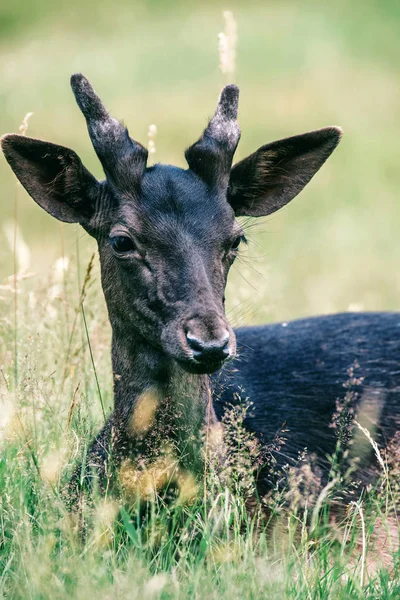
pixel 122 244
pixel 237 242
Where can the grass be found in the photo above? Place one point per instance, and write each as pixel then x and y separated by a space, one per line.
pixel 215 549
pixel 300 66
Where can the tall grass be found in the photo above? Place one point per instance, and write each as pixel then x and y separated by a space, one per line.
pixel 300 66
pixel 217 546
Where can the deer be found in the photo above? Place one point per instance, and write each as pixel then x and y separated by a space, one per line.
pixel 167 238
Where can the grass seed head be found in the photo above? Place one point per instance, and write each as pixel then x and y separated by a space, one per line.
pixel 227 41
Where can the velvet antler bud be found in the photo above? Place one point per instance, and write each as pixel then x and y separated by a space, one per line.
pixel 123 159
pixel 211 156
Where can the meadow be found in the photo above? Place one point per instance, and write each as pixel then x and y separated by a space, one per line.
pixel 300 66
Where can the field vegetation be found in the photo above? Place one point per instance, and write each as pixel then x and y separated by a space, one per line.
pixel 300 66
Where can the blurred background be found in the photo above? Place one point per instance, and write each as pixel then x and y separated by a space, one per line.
pixel 300 66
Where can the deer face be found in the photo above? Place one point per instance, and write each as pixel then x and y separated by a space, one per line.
pixel 167 236
pixel 165 262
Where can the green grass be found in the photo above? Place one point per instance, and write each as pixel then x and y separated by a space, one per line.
pixel 300 66
pixel 193 550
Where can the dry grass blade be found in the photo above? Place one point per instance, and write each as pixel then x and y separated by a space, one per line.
pixel 374 445
pixel 72 407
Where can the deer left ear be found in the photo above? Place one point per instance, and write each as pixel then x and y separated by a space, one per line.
pixel 54 176
pixel 267 180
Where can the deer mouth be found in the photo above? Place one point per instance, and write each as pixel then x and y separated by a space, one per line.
pixel 196 367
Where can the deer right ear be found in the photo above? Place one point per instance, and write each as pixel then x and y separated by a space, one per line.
pixel 267 180
pixel 54 176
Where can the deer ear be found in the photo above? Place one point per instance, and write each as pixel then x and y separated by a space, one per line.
pixel 267 180
pixel 54 176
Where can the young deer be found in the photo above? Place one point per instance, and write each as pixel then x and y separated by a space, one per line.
pixel 167 238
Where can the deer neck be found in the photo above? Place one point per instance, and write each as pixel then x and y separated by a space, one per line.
pixel 157 404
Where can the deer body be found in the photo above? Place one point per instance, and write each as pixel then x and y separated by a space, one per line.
pixel 295 373
pixel 300 376
pixel 167 238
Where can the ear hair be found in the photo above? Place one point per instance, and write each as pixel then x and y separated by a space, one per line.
pixel 54 176
pixel 272 176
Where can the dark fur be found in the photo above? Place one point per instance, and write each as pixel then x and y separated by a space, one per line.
pixel 295 373
pixel 165 295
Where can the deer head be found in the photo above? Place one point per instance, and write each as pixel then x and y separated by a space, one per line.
pixel 167 237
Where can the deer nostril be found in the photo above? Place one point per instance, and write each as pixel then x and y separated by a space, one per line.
pixel 216 350
pixel 194 343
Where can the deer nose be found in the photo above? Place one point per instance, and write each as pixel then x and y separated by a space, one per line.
pixel 208 352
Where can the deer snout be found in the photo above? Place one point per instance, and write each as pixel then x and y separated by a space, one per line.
pixel 209 340
pixel 200 344
pixel 213 351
